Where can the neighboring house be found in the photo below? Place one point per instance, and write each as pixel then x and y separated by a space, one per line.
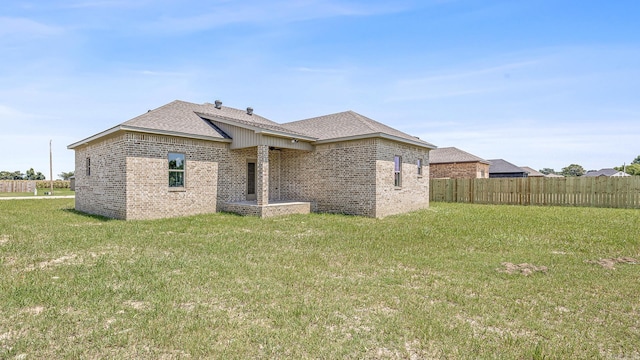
pixel 503 169
pixel 532 172
pixel 605 172
pixel 553 176
pixel 451 162
pixel 184 158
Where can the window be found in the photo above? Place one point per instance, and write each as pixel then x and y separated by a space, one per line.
pixel 88 166
pixel 419 167
pixel 176 170
pixel 397 171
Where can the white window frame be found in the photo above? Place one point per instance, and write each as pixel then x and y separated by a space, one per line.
pixel 397 171
pixel 183 170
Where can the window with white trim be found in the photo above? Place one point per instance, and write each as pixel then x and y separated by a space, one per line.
pixel 176 170
pixel 419 167
pixel 397 171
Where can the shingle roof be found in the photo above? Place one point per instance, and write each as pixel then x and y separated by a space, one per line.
pixel 177 117
pixel 197 120
pixel 240 117
pixel 502 166
pixel 532 172
pixel 604 172
pixel 452 155
pixel 348 124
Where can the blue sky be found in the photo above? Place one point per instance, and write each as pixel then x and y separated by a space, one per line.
pixel 540 83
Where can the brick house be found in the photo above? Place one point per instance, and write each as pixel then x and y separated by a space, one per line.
pixel 531 171
pixel 501 168
pixel 184 158
pixel 451 162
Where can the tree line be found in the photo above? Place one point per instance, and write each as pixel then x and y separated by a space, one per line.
pixel 30 175
pixel 576 170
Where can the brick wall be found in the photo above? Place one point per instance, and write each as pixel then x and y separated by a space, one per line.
pixel 336 177
pixel 414 192
pixel 103 191
pixel 469 170
pixel 129 177
pixel 339 178
pixel 148 193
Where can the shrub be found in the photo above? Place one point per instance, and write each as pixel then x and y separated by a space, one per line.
pixel 57 184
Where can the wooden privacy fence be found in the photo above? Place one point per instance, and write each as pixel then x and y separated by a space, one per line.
pixel 617 192
pixel 8 186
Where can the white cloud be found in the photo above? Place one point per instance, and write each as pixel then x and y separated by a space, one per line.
pixel 273 12
pixel 528 143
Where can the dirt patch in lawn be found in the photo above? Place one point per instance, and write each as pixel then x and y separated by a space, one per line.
pixel 138 305
pixel 522 269
pixel 4 239
pixel 54 262
pixel 612 262
pixel 36 310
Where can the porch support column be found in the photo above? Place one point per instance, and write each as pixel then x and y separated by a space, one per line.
pixel 262 195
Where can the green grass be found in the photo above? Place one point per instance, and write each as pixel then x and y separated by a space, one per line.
pixel 56 192
pixel 429 284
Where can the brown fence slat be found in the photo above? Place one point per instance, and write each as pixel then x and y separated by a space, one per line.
pixel 618 192
pixel 16 186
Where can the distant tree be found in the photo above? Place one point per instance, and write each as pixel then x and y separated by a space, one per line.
pixel 8 175
pixel 572 170
pixel 547 171
pixel 32 175
pixel 66 175
pixel 631 169
pixel 636 160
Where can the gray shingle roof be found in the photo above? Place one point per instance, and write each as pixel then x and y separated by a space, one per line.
pixel 532 172
pixel 198 120
pixel 247 120
pixel 453 155
pixel 604 172
pixel 347 124
pixel 178 117
pixel 503 166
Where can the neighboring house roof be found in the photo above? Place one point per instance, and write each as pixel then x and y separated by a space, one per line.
pixel 502 166
pixel 348 125
pixel 532 172
pixel 446 155
pixel 181 118
pixel 553 176
pixel 605 172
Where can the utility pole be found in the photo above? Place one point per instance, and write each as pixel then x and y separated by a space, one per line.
pixel 50 168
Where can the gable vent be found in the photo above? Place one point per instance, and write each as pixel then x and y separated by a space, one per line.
pixel 249 111
pixel 218 104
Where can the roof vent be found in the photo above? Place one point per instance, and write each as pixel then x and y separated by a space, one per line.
pixel 249 111
pixel 218 104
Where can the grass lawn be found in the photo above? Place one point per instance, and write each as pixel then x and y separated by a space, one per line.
pixel 448 282
pixel 56 192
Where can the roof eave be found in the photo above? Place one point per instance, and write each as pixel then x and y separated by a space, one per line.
pixel 256 129
pixel 423 144
pixel 146 131
pixel 460 162
pixel 95 137
pixel 284 135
